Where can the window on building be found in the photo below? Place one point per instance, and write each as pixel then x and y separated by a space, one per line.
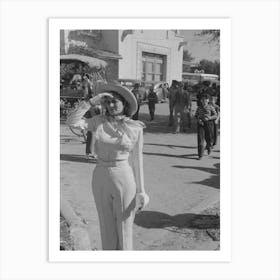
pixel 153 67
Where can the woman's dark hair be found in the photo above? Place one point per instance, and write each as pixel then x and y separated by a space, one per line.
pixel 125 103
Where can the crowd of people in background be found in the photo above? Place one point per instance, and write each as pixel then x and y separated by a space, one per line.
pixel 180 97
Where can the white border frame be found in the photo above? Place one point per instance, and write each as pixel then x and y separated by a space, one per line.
pixel 255 238
pixel 55 255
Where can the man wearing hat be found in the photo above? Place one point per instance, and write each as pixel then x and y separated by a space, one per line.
pixel 117 181
pixel 136 93
pixel 172 97
pixel 152 100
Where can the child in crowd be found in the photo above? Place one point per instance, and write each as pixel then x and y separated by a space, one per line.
pixel 205 115
pixel 213 102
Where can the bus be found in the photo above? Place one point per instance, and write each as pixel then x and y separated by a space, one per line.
pixel 195 78
pixel 194 81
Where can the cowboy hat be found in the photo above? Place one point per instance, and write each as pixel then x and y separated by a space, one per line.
pixel 124 92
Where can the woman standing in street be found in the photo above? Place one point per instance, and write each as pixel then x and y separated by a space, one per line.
pixel 117 181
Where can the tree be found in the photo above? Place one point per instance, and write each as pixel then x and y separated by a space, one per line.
pixel 209 67
pixel 212 36
pixel 187 56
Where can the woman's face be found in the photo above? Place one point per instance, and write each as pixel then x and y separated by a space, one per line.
pixel 114 105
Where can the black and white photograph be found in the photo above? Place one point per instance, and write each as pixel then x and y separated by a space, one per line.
pixel 140 139
pixel 131 142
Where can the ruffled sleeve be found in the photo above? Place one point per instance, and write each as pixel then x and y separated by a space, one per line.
pixel 75 117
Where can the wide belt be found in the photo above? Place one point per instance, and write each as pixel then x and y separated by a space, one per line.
pixel 113 163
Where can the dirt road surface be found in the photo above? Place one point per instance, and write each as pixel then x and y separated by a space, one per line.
pixel 183 213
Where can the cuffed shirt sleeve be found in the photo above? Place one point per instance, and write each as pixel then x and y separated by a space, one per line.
pixel 136 159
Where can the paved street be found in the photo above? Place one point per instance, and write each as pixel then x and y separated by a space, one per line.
pixel 184 192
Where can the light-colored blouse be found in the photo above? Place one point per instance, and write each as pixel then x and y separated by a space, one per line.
pixel 120 140
pixel 110 143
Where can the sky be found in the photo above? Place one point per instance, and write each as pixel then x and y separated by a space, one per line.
pixel 198 46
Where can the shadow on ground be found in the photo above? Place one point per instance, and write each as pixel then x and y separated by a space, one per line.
pixel 160 124
pixel 153 219
pixel 76 158
pixel 171 146
pixel 73 141
pixel 213 181
pixel 189 156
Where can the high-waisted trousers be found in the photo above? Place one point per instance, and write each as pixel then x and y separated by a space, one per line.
pixel 114 191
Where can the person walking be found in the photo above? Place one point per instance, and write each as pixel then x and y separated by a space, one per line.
pixel 136 93
pixel 117 180
pixel 205 115
pixel 186 118
pixel 179 104
pixel 213 102
pixel 171 96
pixel 165 91
pixel 152 100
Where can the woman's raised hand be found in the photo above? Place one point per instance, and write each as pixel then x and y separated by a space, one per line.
pixel 98 97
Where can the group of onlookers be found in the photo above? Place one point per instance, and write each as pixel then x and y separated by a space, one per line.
pixel 82 82
pixel 180 110
pixel 180 97
pixel 180 106
pixel 79 81
pixel 152 100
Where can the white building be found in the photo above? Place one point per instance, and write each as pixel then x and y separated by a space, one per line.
pixel 147 55
pixel 151 55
